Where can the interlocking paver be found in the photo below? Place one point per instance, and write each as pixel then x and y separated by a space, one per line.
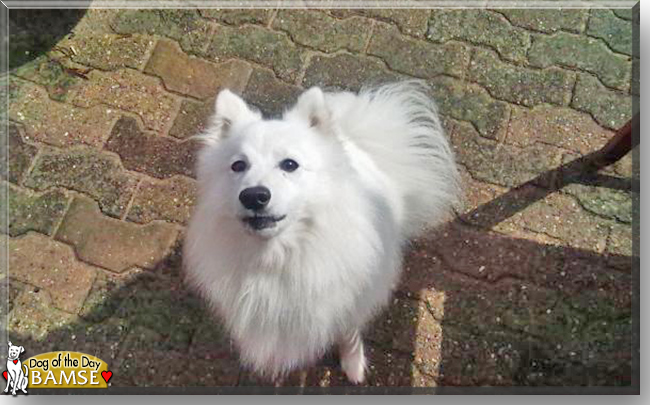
pixel 60 124
pixel 194 76
pixel 481 27
pixel 617 33
pixel 33 317
pixel 97 174
pixel 520 85
pixel 16 156
pixel 184 25
pixel 113 244
pixel 238 16
pixel 34 212
pixel 271 95
pixel 563 127
pixel 147 153
pixel 606 202
pixel 317 30
pixel 547 20
pixel 109 51
pixel 346 72
pixel 56 74
pixel 469 102
pixel 417 57
pixel 170 200
pixel 128 90
pixel 610 108
pixel 584 53
pixel 410 22
pixel 257 44
pixel 38 260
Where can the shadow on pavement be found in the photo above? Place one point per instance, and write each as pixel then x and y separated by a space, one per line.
pixel 493 310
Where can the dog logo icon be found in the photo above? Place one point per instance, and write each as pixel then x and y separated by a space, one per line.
pixel 16 373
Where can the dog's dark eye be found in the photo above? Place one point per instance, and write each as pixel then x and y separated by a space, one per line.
pixel 289 165
pixel 239 166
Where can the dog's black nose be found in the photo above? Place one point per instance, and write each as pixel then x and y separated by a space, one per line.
pixel 255 198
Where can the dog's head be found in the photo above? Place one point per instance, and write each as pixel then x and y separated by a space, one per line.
pixel 268 175
pixel 14 351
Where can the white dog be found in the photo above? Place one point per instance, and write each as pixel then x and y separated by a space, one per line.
pixel 16 377
pixel 296 238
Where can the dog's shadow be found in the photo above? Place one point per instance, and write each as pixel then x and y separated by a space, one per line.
pixel 474 307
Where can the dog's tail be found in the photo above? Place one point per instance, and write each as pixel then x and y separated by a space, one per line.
pixel 398 126
pixel 26 370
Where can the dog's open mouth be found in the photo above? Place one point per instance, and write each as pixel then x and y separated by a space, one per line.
pixel 259 222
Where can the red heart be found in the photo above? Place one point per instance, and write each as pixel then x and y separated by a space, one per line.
pixel 106 375
pixel 4 374
pixel 16 361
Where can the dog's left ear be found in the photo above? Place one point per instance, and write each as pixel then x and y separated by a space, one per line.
pixel 230 109
pixel 22 349
pixel 311 106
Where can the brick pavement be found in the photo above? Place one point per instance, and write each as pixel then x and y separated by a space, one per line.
pixel 524 287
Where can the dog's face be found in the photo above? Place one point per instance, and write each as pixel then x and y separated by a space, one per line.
pixel 14 351
pixel 267 175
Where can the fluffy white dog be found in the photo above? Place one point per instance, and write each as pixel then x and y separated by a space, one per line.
pixel 296 238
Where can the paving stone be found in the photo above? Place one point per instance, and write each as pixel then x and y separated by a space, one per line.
pixel 496 163
pixel 562 127
pixel 410 22
pixel 481 27
pixel 107 293
pixel 194 76
pixel 147 153
pixel 112 244
pixel 387 368
pixel 238 16
pixel 60 124
pixel 147 366
pixel 12 291
pixel 34 212
pixel 38 260
pixel 416 57
pixel 316 29
pixel 617 33
pixel 561 217
pixel 211 341
pixel 57 75
pixel 184 25
pixel 108 51
pixel 603 201
pixel 131 91
pixel 87 171
pixel 34 319
pixel 192 119
pixel 269 94
pixel 260 45
pixel 620 247
pixel 345 72
pixel 520 85
pixel 611 109
pixel 626 14
pixel 170 200
pixel 578 52
pixel 16 163
pixel 547 20
pixel 490 358
pixel 471 103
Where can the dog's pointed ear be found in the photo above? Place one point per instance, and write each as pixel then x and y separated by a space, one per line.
pixel 230 109
pixel 9 343
pixel 22 349
pixel 311 106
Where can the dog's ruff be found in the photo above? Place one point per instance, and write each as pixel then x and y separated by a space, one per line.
pixel 374 169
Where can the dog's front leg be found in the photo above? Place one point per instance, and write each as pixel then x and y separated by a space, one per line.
pixel 13 377
pixel 353 360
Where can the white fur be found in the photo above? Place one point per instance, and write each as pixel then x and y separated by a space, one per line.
pixel 375 168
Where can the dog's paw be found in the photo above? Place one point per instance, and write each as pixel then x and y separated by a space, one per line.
pixel 354 367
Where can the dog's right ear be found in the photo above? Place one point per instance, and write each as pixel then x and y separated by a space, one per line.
pixel 9 343
pixel 229 110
